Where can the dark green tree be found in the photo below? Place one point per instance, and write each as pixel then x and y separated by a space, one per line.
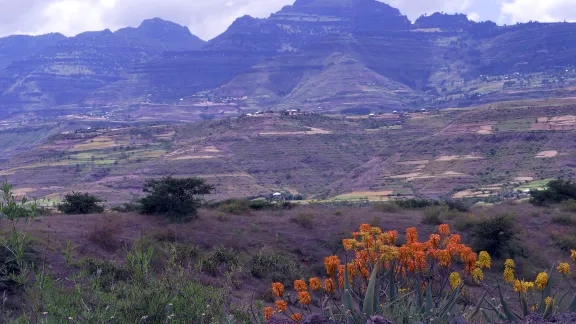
pixel 557 191
pixel 177 199
pixel 80 203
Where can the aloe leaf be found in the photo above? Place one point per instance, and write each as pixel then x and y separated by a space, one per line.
pixel 391 284
pixel 524 304
pixel 429 304
pixel 499 313
pixel 347 296
pixel 572 306
pixel 419 294
pixel 547 292
pixel 509 315
pixel 369 298
pixel 451 301
pixel 478 307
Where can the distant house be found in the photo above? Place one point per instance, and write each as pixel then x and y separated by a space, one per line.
pixel 372 115
pixel 277 196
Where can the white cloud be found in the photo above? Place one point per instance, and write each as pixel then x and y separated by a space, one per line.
pixel 537 10
pixel 474 16
pixel 208 18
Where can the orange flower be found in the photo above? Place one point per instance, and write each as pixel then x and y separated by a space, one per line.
pixel 281 306
pixel 391 237
pixel 300 285
pixel 296 317
pixel 304 297
pixel 349 244
pixel 278 289
pixel 351 271
pixel 435 240
pixel 411 235
pixel 315 284
pixel 268 313
pixel 331 263
pixel 444 258
pixel 329 285
pixel 444 229
pixel 365 228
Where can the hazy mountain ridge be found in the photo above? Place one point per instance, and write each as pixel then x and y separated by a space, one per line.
pixel 440 60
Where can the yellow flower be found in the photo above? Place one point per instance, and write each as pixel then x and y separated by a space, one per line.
pixel 281 305
pixel 315 284
pixel 541 280
pixel 564 268
pixel 455 280
pixel 523 286
pixel 478 275
pixel 573 255
pixel 278 289
pixel 549 301
pixel 484 260
pixel 296 317
pixel 300 285
pixel 509 275
pixel 304 298
pixel 268 313
pixel 509 263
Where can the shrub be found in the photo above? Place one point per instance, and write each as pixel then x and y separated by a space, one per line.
pixel 274 265
pixel 557 191
pixel 236 207
pixel 80 203
pixel 569 205
pixel 165 235
pixel 495 235
pixel 177 199
pixel 220 258
pixel 415 203
pixel 126 208
pixel 106 236
pixel 564 242
pixel 432 216
pixel 244 206
pixel 563 219
pixel 305 220
pixel 385 207
pixel 457 205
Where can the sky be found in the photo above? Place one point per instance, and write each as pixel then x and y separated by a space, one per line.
pixel 208 18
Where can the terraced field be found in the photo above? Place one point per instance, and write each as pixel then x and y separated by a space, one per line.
pixel 444 154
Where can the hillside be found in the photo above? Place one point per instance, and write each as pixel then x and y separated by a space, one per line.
pixel 488 152
pixel 319 55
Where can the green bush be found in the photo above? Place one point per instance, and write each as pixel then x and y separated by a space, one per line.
pixel 275 266
pixel 221 258
pixel 236 207
pixel 569 205
pixel 386 207
pixel 495 235
pixel 80 203
pixel 564 242
pixel 126 208
pixel 433 216
pixel 563 219
pixel 177 199
pixel 244 206
pixel 557 191
pixel 415 203
pixel 457 205
pixel 305 220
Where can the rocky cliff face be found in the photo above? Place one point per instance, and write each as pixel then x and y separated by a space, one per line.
pixel 315 54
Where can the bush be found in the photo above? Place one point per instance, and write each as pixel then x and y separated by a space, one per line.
pixel 221 258
pixel 569 205
pixel 304 220
pixel 177 199
pixel 495 235
pixel 385 207
pixel 106 236
pixel 236 207
pixel 564 242
pixel 126 208
pixel 563 219
pixel 557 191
pixel 432 216
pixel 273 265
pixel 80 203
pixel 244 206
pixel 415 203
pixel 457 205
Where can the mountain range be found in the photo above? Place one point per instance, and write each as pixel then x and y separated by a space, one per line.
pixel 320 55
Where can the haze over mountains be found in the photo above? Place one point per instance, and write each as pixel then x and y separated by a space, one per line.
pixel 321 55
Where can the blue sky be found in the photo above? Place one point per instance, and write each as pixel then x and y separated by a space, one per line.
pixel 208 18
